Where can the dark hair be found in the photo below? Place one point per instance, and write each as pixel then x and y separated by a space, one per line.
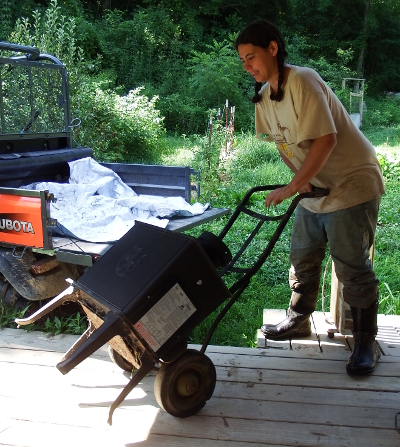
pixel 260 34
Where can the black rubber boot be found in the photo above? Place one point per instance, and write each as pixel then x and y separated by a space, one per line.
pixel 302 304
pixel 366 351
pixel 291 326
pixel 365 354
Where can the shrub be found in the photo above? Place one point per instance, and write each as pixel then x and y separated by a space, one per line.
pixel 381 112
pixel 119 128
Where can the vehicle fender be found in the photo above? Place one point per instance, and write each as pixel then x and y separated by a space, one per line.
pixel 17 271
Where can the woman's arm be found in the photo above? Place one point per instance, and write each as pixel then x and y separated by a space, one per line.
pixel 318 154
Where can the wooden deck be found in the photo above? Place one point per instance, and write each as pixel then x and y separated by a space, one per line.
pixel 281 394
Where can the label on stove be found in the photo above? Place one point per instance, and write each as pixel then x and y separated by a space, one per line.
pixel 165 317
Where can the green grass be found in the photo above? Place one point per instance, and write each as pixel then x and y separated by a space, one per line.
pixel 385 139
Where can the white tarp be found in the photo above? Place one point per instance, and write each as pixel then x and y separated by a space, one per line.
pixel 97 206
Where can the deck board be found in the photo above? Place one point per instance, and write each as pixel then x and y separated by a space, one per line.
pixel 293 393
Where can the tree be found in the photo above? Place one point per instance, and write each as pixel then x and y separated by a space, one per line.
pixel 216 74
pixel 363 38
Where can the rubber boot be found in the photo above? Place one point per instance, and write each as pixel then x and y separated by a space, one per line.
pixel 293 325
pixel 366 351
pixel 302 305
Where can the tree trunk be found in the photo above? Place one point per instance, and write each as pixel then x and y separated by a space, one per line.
pixel 360 64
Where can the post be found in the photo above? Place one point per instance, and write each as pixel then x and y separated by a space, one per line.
pixel 210 129
pixel 226 127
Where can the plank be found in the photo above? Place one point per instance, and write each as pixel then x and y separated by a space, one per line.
pixel 176 441
pixel 271 362
pixel 273 316
pixel 34 434
pixel 277 433
pixel 19 338
pixel 5 423
pixel 321 323
pixel 388 339
pixel 263 342
pixel 321 380
pixel 135 424
pixel 37 340
pixel 76 410
pixel 88 384
pixel 389 320
pixel 30 434
pixel 305 395
pixel 50 359
pixel 294 364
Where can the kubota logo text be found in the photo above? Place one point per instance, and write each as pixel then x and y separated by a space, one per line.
pixel 16 225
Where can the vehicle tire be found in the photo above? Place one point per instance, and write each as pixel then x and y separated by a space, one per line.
pixel 183 387
pixel 119 360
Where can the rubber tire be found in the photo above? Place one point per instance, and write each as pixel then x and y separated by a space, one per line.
pixel 119 360
pixel 192 368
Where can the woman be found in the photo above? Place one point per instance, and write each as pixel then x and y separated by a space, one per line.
pixel 318 141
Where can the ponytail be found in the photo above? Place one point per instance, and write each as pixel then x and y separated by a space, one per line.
pixel 279 94
pixel 257 96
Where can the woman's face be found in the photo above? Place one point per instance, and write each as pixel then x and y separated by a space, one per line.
pixel 260 62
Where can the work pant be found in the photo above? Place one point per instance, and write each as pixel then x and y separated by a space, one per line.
pixel 350 235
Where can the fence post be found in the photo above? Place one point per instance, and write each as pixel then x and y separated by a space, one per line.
pixel 226 127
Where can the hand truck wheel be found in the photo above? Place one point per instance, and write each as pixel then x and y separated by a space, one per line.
pixel 183 386
pixel 119 360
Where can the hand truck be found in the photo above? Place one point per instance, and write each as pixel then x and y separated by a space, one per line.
pixel 147 293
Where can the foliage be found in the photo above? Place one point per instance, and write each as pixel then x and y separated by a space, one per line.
pixel 143 49
pixel 390 171
pixel 7 315
pixel 381 112
pixel 387 239
pixel 183 53
pixel 10 11
pixel 52 33
pixel 332 69
pixel 215 74
pixel 383 50
pixel 333 72
pixel 183 114
pixel 207 159
pixel 5 19
pixel 119 128
pixel 74 324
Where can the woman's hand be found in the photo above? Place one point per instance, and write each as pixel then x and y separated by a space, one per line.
pixel 280 194
pixel 306 188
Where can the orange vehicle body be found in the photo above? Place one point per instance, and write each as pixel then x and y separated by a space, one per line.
pixel 23 221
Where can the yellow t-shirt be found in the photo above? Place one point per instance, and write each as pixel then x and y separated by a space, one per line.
pixel 309 109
